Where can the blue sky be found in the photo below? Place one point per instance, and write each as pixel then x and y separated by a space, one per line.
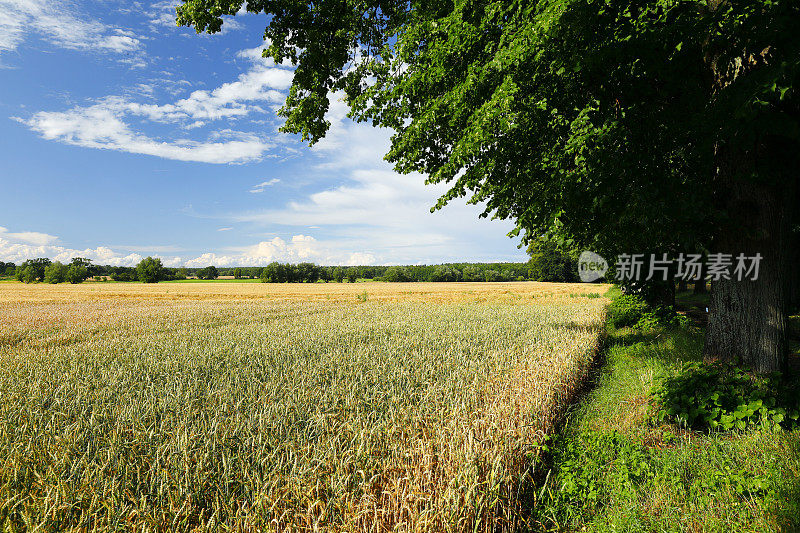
pixel 124 136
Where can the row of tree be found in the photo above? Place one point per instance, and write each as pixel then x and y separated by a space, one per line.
pixel 8 269
pixel 44 270
pixel 548 264
pixel 310 273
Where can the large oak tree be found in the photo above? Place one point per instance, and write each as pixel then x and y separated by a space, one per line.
pixel 627 126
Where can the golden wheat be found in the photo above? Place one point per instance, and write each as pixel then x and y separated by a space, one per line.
pixel 252 407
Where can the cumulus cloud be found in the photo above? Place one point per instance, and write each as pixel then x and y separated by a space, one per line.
pixel 57 22
pixel 298 249
pixel 375 209
pixel 18 247
pixel 107 124
pixel 389 215
pixel 17 251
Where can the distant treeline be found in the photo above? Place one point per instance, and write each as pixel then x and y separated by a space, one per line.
pixel 548 263
pixel 310 273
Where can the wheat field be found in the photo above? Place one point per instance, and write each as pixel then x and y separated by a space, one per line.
pixel 262 407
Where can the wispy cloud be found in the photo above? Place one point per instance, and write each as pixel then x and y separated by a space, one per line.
pixel 263 185
pixel 58 23
pixel 27 237
pixel 162 17
pixel 108 124
pixel 100 127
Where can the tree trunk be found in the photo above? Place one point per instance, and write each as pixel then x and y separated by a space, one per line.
pixel 700 286
pixel 747 319
pixel 794 274
pixel 755 182
pixel 682 285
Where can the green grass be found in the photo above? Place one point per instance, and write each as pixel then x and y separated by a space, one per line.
pixel 616 469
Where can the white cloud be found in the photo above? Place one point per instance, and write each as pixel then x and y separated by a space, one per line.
pixel 107 124
pixel 350 144
pixel 18 247
pixel 380 211
pixel 389 214
pixel 101 127
pixel 225 229
pixel 162 16
pixel 300 248
pixel 263 185
pixel 58 23
pixel 15 251
pixel 261 83
pixel 27 237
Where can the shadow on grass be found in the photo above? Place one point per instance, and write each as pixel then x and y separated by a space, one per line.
pixel 630 336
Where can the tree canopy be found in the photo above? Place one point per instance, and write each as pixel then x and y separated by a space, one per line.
pixel 595 119
pixel 150 270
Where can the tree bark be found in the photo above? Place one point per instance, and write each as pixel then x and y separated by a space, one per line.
pixel 747 322
pixel 794 274
pixel 747 319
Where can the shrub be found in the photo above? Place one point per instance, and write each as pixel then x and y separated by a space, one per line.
pixel 724 397
pixel 626 310
pixel 662 316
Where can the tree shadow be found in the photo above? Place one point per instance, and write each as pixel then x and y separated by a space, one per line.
pixel 630 336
